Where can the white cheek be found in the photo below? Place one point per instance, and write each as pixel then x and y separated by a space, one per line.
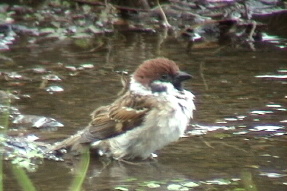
pixel 139 88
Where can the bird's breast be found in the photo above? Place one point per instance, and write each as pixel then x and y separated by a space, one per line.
pixel 163 124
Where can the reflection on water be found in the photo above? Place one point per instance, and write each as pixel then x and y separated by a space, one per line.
pixel 277 41
pixel 238 136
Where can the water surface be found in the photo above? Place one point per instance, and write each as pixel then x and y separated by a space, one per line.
pixel 236 140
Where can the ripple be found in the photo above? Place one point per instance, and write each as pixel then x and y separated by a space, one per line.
pixel 230 119
pixel 272 174
pixel 277 41
pixel 203 129
pixel 218 182
pixel 266 128
pixel 278 76
pixel 274 105
pixel 260 112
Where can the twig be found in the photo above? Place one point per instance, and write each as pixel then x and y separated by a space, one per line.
pixel 206 143
pixel 165 21
pixel 202 75
pixel 250 36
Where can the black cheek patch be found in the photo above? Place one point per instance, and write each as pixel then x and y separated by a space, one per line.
pixel 157 88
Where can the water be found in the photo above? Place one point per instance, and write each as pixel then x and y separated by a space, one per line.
pixel 237 139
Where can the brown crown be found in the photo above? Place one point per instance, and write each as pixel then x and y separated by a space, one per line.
pixel 153 69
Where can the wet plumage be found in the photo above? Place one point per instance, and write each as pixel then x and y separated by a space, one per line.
pixel 153 111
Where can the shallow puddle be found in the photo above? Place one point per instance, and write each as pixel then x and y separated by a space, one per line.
pixel 237 140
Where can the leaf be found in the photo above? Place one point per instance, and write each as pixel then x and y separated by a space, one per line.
pixel 23 179
pixel 79 179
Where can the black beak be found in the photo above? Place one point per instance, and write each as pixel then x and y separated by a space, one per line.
pixel 180 76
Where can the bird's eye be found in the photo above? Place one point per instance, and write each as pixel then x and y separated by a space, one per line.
pixel 164 77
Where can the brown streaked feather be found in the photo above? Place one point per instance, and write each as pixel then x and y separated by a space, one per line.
pixel 125 80
pixel 123 115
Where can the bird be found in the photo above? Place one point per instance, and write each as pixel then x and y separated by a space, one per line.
pixel 153 112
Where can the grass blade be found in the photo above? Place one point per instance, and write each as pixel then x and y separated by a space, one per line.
pixel 81 174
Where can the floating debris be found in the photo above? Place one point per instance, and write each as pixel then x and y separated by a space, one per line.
pixel 39 70
pixel 24 151
pixel 218 182
pixel 52 89
pixel 38 122
pixel 51 77
pixel 86 66
pixel 14 75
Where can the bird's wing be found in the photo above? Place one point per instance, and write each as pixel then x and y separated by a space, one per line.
pixel 123 115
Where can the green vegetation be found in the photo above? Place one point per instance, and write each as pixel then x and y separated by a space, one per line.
pixel 81 174
pixel 25 161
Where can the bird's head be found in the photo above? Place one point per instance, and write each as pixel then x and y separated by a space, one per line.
pixel 157 73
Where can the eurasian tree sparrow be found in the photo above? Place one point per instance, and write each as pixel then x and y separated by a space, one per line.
pixel 153 112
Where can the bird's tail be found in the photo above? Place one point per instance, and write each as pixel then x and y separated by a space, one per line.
pixel 73 143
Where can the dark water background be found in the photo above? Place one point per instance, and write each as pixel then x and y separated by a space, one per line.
pixel 237 138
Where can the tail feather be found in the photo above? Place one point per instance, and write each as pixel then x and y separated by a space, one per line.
pixel 72 142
